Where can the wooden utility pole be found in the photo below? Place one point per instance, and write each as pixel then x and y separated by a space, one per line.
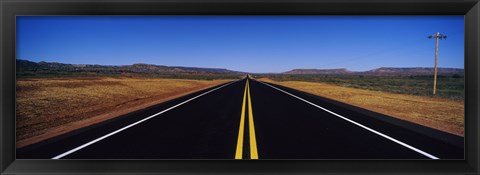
pixel 436 36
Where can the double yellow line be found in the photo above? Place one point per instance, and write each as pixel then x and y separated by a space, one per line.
pixel 253 140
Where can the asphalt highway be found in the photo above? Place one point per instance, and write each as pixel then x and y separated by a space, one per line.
pixel 249 119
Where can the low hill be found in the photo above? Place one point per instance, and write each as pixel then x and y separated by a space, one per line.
pixel 29 66
pixel 387 71
pixel 413 71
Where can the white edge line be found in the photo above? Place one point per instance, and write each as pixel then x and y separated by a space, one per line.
pixel 358 124
pixel 133 124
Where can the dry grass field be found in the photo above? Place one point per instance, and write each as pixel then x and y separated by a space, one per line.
pixel 440 113
pixel 52 106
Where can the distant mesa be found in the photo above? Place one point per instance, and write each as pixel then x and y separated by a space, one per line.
pixel 141 68
pixel 379 71
pixel 413 71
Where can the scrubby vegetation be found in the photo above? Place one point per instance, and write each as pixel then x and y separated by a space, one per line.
pixel 448 86
pixel 192 76
pixel 29 69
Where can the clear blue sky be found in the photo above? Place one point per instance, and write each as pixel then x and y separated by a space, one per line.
pixel 256 44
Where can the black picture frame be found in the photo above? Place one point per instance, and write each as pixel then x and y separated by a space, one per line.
pixel 10 8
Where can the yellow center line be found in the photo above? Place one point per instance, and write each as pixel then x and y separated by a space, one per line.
pixel 239 152
pixel 241 130
pixel 253 140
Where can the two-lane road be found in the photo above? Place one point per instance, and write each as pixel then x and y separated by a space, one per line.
pixel 248 119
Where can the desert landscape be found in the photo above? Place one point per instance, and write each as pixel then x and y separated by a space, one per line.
pixel 56 98
pixel 243 87
pixel 48 107
pixel 440 113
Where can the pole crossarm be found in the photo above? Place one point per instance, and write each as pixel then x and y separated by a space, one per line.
pixel 438 35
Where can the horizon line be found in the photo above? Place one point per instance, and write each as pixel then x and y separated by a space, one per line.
pixel 239 70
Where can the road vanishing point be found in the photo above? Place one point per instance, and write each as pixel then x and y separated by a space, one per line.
pixel 250 119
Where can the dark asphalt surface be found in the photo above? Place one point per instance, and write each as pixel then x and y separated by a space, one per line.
pixel 285 128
